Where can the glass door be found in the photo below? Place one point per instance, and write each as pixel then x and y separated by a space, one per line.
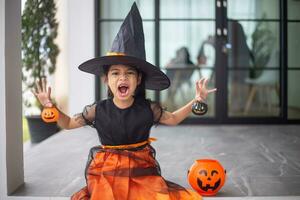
pixel 248 49
pixel 293 60
pixel 253 58
pixel 186 50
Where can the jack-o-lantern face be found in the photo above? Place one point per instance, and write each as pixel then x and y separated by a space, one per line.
pixel 50 115
pixel 206 177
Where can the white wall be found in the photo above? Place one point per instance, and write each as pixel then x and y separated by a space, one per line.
pixel 73 88
pixel 61 76
pixel 11 143
pixel 2 103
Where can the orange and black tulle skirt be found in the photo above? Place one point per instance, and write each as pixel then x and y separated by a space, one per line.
pixel 113 174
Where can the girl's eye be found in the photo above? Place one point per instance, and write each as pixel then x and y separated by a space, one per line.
pixel 114 73
pixel 131 73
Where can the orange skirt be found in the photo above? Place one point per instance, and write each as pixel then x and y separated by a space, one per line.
pixel 128 175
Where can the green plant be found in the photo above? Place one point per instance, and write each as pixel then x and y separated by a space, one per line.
pixel 26 135
pixel 39 51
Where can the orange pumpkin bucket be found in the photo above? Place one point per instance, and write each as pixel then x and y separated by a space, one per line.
pixel 206 176
pixel 50 115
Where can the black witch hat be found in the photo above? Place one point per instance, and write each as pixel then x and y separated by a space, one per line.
pixel 128 48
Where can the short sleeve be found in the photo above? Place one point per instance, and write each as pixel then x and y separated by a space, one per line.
pixel 157 111
pixel 89 113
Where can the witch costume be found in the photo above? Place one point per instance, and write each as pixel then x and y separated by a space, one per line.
pixel 124 166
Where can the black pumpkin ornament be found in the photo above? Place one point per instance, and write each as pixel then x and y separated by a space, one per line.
pixel 199 108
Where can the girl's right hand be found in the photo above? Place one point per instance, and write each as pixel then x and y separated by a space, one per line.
pixel 42 94
pixel 201 90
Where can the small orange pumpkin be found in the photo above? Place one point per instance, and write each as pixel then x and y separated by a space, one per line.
pixel 50 115
pixel 206 176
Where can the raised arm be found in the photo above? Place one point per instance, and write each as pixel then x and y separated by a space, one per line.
pixel 174 118
pixel 78 120
pixel 64 121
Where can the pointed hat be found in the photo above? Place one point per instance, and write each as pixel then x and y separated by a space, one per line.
pixel 128 48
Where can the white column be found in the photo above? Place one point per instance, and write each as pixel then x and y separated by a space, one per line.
pixel 81 46
pixel 2 104
pixel 11 143
pixel 61 77
pixel 74 89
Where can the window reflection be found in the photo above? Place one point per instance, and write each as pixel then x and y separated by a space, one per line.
pixel 293 10
pixel 258 96
pixel 293 44
pixel 252 48
pixel 293 94
pixel 118 9
pixel 294 67
pixel 180 58
pixel 253 9
pixel 252 60
pixel 191 9
pixel 179 70
pixel 206 57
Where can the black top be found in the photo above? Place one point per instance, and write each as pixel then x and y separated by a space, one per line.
pixel 116 126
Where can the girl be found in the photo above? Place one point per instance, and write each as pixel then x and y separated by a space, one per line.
pixel 124 166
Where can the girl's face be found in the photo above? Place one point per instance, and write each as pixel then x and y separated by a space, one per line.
pixel 122 81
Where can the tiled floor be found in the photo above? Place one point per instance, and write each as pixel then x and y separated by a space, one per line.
pixel 260 160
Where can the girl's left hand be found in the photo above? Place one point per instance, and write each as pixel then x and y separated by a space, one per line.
pixel 201 90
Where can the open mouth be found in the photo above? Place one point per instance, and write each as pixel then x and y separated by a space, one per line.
pixel 208 187
pixel 123 90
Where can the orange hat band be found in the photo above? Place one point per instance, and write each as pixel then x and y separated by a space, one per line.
pixel 115 53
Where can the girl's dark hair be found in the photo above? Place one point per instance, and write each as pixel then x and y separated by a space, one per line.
pixel 140 91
